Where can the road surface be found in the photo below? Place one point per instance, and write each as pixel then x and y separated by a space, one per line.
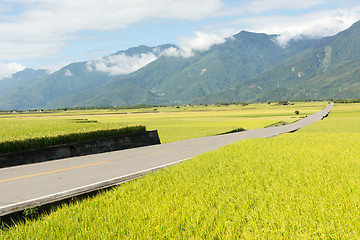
pixel 37 184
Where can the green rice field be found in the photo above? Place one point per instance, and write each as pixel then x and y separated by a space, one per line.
pixel 302 185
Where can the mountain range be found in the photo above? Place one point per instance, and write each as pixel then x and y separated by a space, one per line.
pixel 246 67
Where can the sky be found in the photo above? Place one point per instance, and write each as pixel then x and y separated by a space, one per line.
pixel 49 34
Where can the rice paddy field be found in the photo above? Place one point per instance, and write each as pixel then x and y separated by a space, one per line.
pixel 302 185
pixel 173 124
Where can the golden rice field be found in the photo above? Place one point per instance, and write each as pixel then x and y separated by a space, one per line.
pixel 302 185
pixel 172 123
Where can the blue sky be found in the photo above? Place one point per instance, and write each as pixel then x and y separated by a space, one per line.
pixel 51 33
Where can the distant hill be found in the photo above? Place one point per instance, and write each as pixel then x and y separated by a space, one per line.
pixel 72 79
pixel 246 67
pixel 21 77
pixel 37 93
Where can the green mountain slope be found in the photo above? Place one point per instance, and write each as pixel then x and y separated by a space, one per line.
pixel 329 70
pixel 177 80
pixel 125 93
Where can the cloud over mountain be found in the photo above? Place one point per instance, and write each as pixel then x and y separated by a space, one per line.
pixel 190 45
pixel 121 63
pixel 316 24
pixel 6 70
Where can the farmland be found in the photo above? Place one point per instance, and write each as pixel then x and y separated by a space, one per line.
pixel 302 185
pixel 173 123
pixel 23 133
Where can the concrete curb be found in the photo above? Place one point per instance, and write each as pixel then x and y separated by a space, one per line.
pixel 80 148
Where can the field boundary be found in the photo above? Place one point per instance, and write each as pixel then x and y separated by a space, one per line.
pixel 80 148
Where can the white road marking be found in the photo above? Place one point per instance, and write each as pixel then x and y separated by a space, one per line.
pixel 93 184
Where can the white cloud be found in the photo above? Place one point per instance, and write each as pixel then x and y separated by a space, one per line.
pixel 42 29
pixel 262 6
pixel 121 64
pixel 6 70
pixel 314 25
pixel 199 43
pixel 172 52
pixel 68 73
pixel 317 25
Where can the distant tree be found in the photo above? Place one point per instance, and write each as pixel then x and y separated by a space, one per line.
pixel 297 112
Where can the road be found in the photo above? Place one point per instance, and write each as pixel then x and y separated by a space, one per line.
pixel 37 184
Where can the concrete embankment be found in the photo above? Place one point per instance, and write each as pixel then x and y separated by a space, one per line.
pixel 80 148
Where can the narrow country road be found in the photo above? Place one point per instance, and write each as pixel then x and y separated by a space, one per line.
pixel 32 185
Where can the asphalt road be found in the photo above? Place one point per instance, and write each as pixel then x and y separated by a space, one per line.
pixel 33 185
